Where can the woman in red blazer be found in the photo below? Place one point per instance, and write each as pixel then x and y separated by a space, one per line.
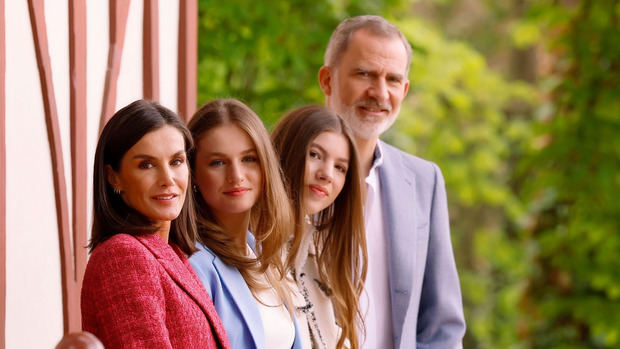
pixel 139 290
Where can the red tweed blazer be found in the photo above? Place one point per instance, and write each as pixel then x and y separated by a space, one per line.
pixel 140 292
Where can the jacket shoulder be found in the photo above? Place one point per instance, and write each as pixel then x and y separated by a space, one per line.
pixel 204 253
pixel 120 245
pixel 420 167
pixel 203 262
pixel 122 255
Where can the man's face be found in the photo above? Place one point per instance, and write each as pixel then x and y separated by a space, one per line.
pixel 367 86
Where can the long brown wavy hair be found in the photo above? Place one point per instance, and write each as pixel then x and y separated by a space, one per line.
pixel 340 239
pixel 270 216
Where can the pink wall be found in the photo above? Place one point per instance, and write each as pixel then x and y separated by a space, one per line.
pixel 66 102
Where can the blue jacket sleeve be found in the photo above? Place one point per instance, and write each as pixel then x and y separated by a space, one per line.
pixel 441 323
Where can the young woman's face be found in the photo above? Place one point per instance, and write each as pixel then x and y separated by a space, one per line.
pixel 228 171
pixel 153 175
pixel 327 163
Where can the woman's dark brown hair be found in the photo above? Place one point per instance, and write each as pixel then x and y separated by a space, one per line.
pixel 111 215
pixel 340 239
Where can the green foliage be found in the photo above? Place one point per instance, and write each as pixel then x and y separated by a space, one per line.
pixel 265 53
pixel 574 182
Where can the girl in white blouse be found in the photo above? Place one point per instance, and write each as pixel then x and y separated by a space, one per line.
pixel 328 252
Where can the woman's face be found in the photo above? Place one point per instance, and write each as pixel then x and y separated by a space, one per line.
pixel 153 175
pixel 327 162
pixel 228 171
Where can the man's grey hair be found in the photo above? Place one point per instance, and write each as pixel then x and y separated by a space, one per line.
pixel 377 25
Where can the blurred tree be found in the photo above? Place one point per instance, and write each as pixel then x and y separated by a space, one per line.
pixel 265 53
pixel 573 179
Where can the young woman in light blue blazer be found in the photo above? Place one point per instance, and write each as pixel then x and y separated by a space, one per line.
pixel 244 222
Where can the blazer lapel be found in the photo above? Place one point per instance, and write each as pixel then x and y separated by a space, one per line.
pixel 173 260
pixel 400 216
pixel 243 299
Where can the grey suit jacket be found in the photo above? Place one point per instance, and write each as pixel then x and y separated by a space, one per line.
pixel 427 310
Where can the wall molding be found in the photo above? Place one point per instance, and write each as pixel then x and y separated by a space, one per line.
pixel 188 58
pixel 150 50
pixel 69 291
pixel 79 146
pixel 2 178
pixel 119 11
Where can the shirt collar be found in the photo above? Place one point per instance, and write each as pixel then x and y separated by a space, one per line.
pixel 377 158
pixel 373 174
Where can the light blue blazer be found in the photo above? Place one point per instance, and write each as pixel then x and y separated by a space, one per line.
pixel 427 309
pixel 233 300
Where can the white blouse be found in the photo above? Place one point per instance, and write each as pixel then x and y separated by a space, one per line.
pixel 277 323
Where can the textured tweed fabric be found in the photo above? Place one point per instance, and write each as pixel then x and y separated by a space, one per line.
pixel 140 292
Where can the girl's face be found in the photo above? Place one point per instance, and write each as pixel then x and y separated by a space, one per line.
pixel 153 175
pixel 228 171
pixel 327 163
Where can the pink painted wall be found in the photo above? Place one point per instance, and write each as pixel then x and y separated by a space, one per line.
pixel 65 65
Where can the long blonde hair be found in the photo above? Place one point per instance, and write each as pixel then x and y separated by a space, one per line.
pixel 340 240
pixel 270 216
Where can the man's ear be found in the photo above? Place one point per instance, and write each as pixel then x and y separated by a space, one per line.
pixel 406 89
pixel 325 80
pixel 112 177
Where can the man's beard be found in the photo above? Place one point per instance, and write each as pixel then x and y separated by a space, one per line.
pixel 363 126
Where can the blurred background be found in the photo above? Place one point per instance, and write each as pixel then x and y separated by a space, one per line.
pixel 518 101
